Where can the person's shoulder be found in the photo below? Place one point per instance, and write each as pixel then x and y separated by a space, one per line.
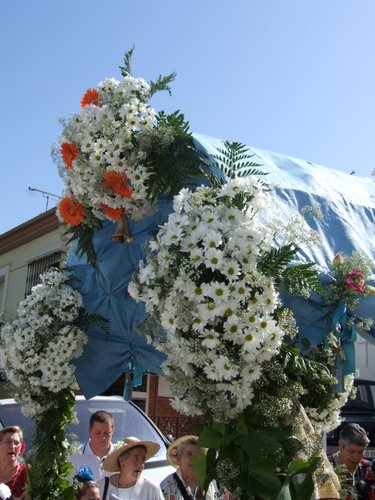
pixel 149 483
pixel 78 451
pixel 167 480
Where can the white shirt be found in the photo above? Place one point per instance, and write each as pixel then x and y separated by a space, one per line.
pixel 144 489
pixel 86 457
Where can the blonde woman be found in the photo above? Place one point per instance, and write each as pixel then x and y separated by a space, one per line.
pixel 183 483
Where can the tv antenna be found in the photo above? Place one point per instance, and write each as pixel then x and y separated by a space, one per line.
pixel 46 195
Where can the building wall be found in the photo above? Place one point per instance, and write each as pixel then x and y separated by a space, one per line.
pixel 14 265
pixel 365 354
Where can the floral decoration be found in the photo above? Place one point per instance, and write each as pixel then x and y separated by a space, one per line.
pixel 103 165
pixel 37 349
pixel 320 396
pixel 118 155
pixel 215 306
pixel 210 287
pixel 350 274
pixel 38 346
pixel 343 295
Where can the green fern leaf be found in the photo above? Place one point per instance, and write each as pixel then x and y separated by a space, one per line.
pixel 274 262
pixel 84 234
pixel 162 84
pixel 302 276
pixel 235 161
pixel 126 69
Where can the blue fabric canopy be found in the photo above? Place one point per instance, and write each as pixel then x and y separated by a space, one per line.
pixel 105 357
pixel 348 207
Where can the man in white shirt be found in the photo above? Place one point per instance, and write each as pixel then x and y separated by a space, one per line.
pixel 93 452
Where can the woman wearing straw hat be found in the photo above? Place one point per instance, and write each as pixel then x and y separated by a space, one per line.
pixel 183 484
pixel 127 461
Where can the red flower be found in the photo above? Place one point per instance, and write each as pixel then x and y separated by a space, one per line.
pixel 71 211
pixel 117 182
pixel 91 96
pixel 355 281
pixel 69 152
pixel 113 213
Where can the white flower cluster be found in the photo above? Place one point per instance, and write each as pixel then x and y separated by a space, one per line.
pixel 39 344
pixel 202 284
pixel 104 135
pixel 328 419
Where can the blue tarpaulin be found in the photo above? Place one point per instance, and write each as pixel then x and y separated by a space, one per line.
pixel 347 204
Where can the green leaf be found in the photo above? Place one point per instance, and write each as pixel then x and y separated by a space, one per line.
pixel 199 466
pixel 162 84
pixel 260 482
pixel 241 426
pixel 83 234
pixel 303 275
pixel 211 436
pixel 300 466
pixel 236 161
pixel 176 164
pixel 302 489
pixel 260 447
pixel 284 493
pixel 126 69
pixel 274 262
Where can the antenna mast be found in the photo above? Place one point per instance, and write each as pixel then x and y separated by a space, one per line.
pixel 46 195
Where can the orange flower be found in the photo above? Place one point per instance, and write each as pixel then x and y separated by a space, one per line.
pixel 113 213
pixel 69 152
pixel 71 211
pixel 91 96
pixel 117 182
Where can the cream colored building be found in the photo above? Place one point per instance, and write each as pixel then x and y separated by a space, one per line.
pixel 26 251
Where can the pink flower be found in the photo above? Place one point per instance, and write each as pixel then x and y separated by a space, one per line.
pixel 355 281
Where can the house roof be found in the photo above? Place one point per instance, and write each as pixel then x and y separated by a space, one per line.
pixel 28 231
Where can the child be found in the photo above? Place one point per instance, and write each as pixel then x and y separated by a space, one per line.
pixel 88 490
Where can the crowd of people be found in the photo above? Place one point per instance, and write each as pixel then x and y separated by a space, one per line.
pixel 104 471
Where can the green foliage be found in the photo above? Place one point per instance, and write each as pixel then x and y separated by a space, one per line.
pixel 162 84
pixel 235 161
pixel 126 69
pixel 174 162
pixel 296 364
pixel 175 122
pixel 49 456
pixel 314 371
pixel 84 235
pixel 278 263
pixel 245 456
pixel 274 262
pixel 302 276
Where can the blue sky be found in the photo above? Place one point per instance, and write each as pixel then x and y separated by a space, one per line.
pixel 291 76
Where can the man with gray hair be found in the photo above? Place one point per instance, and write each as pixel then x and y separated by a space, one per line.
pixel 353 470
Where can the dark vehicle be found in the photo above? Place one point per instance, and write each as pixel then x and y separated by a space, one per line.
pixel 129 421
pixel 361 411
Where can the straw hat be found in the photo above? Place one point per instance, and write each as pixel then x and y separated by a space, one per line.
pixel 172 450
pixel 111 463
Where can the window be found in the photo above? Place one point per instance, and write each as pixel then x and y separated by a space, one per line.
pixel 38 267
pixel 4 275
